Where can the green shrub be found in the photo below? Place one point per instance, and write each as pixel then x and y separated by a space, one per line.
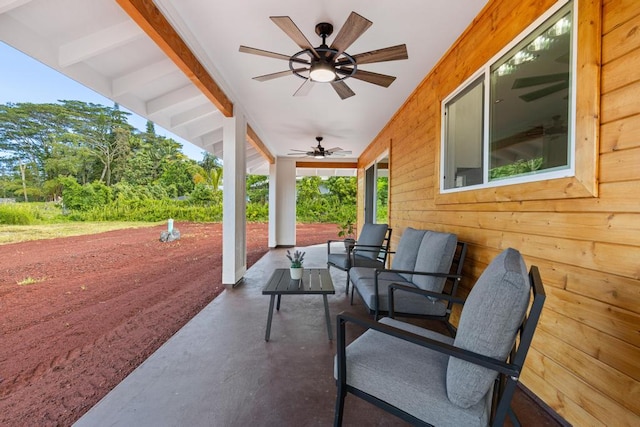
pixel 202 193
pixel 84 197
pixel 158 192
pixel 516 168
pixel 257 212
pixel 151 211
pixel 16 214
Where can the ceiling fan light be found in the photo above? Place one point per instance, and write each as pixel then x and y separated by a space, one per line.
pixel 319 156
pixel 322 72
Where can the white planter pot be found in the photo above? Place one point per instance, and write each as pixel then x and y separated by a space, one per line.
pixel 296 273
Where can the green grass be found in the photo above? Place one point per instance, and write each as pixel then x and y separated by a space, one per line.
pixel 22 233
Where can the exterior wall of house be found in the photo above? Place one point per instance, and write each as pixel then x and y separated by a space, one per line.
pixel 584 362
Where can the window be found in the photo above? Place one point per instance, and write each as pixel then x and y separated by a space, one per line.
pixel 376 191
pixel 520 130
pixel 464 116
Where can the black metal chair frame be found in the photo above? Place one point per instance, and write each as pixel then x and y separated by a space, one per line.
pixel 382 251
pixel 508 371
pixel 450 289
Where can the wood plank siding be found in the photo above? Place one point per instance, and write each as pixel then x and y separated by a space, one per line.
pixel 583 232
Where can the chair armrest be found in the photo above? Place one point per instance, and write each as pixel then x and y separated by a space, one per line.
pixel 375 249
pixel 502 367
pixel 439 295
pixel 386 270
pixel 423 273
pixel 366 248
pixel 418 291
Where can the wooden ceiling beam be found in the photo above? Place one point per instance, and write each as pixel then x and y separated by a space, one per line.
pixel 152 22
pixel 257 143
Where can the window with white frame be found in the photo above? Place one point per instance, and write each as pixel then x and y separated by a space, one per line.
pixel 512 121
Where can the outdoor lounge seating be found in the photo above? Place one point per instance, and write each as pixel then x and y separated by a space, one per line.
pixel 424 259
pixel 427 378
pixel 370 250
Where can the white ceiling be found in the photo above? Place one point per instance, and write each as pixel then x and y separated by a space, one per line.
pixel 96 43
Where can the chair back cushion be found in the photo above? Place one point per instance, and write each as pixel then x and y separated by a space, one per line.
pixel 434 256
pixel 405 256
pixel 488 325
pixel 371 235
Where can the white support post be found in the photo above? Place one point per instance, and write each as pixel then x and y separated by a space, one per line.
pixel 234 226
pixel 282 203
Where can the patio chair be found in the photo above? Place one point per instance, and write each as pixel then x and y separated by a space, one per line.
pixel 424 259
pixel 370 250
pixel 427 378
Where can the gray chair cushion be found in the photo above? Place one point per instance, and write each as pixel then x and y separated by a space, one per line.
pixel 404 302
pixel 371 235
pixel 434 256
pixel 357 273
pixel 360 261
pixel 409 377
pixel 488 324
pixel 405 256
pixel 341 261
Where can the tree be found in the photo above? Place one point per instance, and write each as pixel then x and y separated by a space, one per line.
pixel 258 188
pixel 311 205
pixel 209 172
pixel 27 135
pixel 40 143
pixel 177 173
pixel 344 189
pixel 104 131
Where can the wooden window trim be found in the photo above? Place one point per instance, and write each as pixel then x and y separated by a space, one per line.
pixel 585 181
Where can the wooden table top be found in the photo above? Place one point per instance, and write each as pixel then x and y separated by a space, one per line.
pixel 314 281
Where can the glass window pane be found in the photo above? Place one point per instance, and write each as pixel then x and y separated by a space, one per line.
pixel 382 191
pixel 463 137
pixel 530 102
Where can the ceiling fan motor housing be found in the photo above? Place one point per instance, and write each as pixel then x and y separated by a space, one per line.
pixel 324 30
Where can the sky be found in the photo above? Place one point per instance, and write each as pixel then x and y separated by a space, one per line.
pixel 23 79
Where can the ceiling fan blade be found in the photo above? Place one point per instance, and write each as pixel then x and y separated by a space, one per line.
pixel 272 76
pixel 353 28
pixel 338 150
pixel 393 53
pixel 342 89
pixel 254 51
pixel 539 80
pixel 369 77
pixel 291 29
pixel 304 88
pixel 541 93
pixel 298 154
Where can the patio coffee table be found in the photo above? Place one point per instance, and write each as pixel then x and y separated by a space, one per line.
pixel 315 281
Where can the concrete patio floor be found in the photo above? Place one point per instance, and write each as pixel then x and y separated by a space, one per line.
pixel 219 371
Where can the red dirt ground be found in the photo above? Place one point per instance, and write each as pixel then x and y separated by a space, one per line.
pixel 106 302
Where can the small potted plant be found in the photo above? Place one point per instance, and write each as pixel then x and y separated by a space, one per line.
pixel 295 270
pixel 347 230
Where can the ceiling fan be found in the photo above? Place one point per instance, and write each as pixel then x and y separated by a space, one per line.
pixel 560 80
pixel 319 152
pixel 330 64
